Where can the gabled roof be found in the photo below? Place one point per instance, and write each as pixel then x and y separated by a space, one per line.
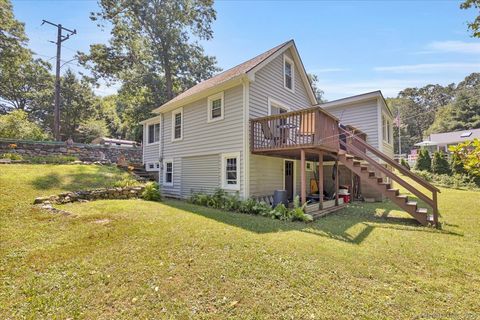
pixel 455 136
pixel 244 69
pixel 357 98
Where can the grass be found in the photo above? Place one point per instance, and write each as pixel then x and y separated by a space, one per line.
pixel 135 259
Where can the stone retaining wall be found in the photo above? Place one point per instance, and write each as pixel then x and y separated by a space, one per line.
pixel 84 152
pixel 89 195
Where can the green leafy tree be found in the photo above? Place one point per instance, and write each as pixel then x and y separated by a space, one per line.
pixel 468 153
pixel 424 162
pixel 91 129
pixel 12 32
pixel 154 50
pixel 440 164
pixel 474 26
pixel 15 125
pixel 313 78
pixel 404 163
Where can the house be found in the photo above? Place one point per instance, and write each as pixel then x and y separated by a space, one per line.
pixel 114 142
pixel 257 128
pixel 441 141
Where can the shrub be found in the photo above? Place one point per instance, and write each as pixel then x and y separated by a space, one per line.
pixel 15 125
pixel 440 164
pixel 11 156
pixel 298 212
pixel 152 192
pixel 468 153
pixel 424 162
pixel 52 159
pixel 456 164
pixel 280 212
pixel 126 182
pixel 404 163
pixel 458 181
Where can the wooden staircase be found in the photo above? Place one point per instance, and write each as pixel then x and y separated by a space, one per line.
pixel 356 158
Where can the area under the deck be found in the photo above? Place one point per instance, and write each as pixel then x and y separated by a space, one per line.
pixel 328 207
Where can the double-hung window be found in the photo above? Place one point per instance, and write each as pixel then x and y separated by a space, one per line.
pixel 231 171
pixel 153 133
pixel 168 172
pixel 215 107
pixel 288 73
pixel 177 124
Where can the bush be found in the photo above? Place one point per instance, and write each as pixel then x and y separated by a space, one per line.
pixel 424 162
pixel 11 156
pixel 440 164
pixel 225 201
pixel 15 125
pixel 456 164
pixel 152 192
pixel 52 159
pixel 126 182
pixel 457 181
pixel 404 163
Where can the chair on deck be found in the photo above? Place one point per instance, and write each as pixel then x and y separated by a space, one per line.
pixel 268 135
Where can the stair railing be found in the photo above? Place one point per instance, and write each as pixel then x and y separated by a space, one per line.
pixel 432 202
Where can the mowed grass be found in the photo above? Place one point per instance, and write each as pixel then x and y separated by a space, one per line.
pixel 127 259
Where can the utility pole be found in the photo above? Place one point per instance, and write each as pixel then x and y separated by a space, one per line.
pixel 60 39
pixel 399 135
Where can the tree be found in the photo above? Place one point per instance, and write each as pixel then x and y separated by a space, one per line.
pixel 16 125
pixel 91 129
pixel 313 78
pixel 440 164
pixel 23 80
pixel 474 26
pixel 468 153
pixel 151 45
pixel 424 162
pixel 12 32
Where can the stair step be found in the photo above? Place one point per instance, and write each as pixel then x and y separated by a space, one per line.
pixel 395 191
pixel 356 163
pixel 371 173
pixel 363 168
pixel 412 203
pixel 402 196
pixel 349 156
pixel 423 211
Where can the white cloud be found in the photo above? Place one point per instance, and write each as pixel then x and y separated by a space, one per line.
pixel 453 46
pixel 429 68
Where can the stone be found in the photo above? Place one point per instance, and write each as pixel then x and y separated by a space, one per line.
pixel 40 200
pixel 5 161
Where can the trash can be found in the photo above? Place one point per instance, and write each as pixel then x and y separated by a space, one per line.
pixel 280 196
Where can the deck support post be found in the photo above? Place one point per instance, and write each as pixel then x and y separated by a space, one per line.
pixel 336 180
pixel 303 177
pixel 320 180
pixel 435 208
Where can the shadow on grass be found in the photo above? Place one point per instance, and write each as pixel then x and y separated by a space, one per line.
pixel 79 180
pixel 352 224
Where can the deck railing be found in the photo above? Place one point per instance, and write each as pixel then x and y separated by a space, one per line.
pixel 311 127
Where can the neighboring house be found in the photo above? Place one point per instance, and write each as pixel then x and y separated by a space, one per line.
pixel 257 128
pixel 441 141
pixel 114 142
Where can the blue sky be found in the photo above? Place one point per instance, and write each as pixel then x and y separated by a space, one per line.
pixel 353 46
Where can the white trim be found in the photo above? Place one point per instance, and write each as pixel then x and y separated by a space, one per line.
pixel 169 105
pixel 294 176
pixel 224 157
pixel 156 166
pixel 148 133
pixel 246 140
pixel 164 182
pixel 389 132
pixel 271 101
pixel 292 64
pixel 379 124
pixel 144 144
pixel 174 113
pixel 212 98
pixel 150 120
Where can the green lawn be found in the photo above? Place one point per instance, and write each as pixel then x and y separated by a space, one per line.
pixel 127 259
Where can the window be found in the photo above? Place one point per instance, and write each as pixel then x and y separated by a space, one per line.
pixel 168 173
pixel 386 129
pixel 177 124
pixel 152 166
pixel 153 133
pixel 231 171
pixel 215 107
pixel 288 73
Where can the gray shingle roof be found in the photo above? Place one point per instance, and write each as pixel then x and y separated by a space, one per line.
pixel 455 136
